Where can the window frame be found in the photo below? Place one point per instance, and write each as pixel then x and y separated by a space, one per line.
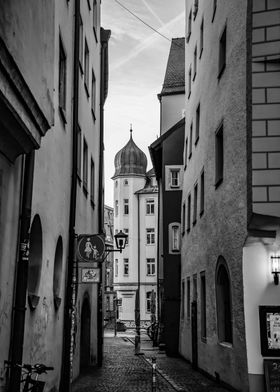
pixel 85 166
pixel 189 26
pixel 189 212
pixel 62 80
pixel 126 266
pixel 150 236
pixel 86 67
pixel 203 306
pixel 201 38
pixel 92 182
pixel 81 43
pixel 150 206
pixel 222 52
pixel 174 181
pixel 219 155
pixel 126 206
pixel 93 94
pixel 194 62
pixel 195 195
pixel 150 265
pixel 197 124
pixel 202 192
pixel 191 140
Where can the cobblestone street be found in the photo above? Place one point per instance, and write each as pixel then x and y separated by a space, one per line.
pixel 123 371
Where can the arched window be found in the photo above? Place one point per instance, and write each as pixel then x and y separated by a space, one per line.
pixel 57 272
pixel 35 261
pixel 223 298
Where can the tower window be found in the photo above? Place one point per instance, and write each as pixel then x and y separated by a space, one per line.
pixel 126 206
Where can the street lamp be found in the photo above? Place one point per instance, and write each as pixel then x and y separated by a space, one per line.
pixel 121 241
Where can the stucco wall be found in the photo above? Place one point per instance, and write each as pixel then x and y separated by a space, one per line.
pixel 221 230
pixel 28 32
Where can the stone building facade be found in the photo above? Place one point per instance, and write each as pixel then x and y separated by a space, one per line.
pixel 135 207
pixel 58 82
pixel 230 204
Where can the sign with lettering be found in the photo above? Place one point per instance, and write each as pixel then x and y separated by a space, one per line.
pixel 90 247
pixel 272 375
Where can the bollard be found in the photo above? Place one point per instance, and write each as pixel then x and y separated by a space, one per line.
pixel 154 380
pixel 137 344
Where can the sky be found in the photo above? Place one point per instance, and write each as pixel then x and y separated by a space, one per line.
pixel 137 63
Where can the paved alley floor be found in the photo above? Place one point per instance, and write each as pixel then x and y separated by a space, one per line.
pixel 123 371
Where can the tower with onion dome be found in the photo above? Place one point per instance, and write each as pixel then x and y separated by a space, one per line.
pixel 135 213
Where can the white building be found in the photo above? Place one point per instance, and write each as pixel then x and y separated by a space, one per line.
pixel 135 202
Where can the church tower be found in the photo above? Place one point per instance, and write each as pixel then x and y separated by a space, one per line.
pixel 135 208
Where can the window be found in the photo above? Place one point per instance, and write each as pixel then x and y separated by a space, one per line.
pixel 195 205
pixel 85 166
pixel 219 155
pixel 94 15
pixel 57 272
pixel 183 218
pixel 186 153
pixel 126 206
pixel 194 287
pixel 81 41
pixel 190 82
pixel 86 66
pixel 79 152
pixel 183 300
pixel 35 258
pixel 62 79
pixel 174 178
pixel 92 181
pixel 197 123
pixel 126 231
pixel 116 268
pixel 222 52
pixel 150 302
pixel 151 267
pixel 195 9
pixel 150 235
pixel 194 62
pixel 201 37
pixel 202 193
pixel 203 306
pixel 125 267
pixel 214 9
pixel 93 93
pixel 189 26
pixel 116 208
pixel 223 298
pixel 188 298
pixel 174 237
pixel 191 141
pixel 189 213
pixel 150 206
pixel 125 182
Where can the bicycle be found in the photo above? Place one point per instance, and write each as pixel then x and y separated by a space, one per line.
pixel 31 384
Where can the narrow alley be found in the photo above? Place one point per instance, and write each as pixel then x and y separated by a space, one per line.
pixel 123 371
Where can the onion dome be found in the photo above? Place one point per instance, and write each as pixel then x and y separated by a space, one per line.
pixel 130 160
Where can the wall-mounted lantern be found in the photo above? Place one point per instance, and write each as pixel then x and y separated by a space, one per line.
pixel 121 240
pixel 275 267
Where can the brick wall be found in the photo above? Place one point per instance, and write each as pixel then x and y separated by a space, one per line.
pixel 266 107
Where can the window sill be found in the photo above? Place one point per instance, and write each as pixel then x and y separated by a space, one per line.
pixel 204 339
pixel 93 115
pixel 218 182
pixel 86 88
pixel 33 301
pixel 85 190
pixel 95 35
pixel 62 114
pixel 226 345
pixel 81 68
pixel 221 71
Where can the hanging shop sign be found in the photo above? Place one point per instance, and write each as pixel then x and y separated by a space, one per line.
pixel 89 274
pixel 90 248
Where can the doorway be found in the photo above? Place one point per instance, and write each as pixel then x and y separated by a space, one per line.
pixel 85 335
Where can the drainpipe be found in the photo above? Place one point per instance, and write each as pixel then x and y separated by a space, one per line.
pixel 137 302
pixel 105 35
pixel 18 322
pixel 66 363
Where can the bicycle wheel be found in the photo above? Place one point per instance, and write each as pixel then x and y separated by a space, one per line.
pixel 37 385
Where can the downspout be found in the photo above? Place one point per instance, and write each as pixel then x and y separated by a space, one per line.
pixel 18 322
pixel 139 270
pixel 66 364
pixel 105 35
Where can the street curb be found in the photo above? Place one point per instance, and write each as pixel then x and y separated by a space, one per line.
pixel 165 376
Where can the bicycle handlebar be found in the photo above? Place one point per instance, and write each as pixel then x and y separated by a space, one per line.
pixel 38 368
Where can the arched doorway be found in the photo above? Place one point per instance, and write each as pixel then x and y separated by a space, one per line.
pixel 85 335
